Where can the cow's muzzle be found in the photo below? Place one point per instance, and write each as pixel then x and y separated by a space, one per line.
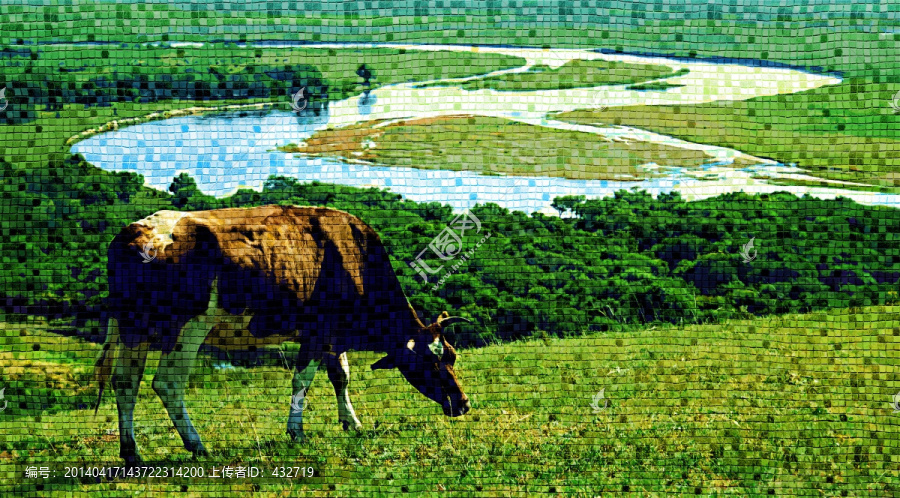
pixel 456 407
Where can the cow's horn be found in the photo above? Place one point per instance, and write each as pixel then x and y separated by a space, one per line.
pixel 450 320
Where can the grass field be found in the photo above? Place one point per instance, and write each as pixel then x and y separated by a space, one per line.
pixel 497 146
pixel 573 74
pixel 844 132
pixel 796 405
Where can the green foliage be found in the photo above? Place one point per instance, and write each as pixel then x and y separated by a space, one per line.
pixel 566 203
pixel 54 237
pixel 52 81
pixel 364 73
pixel 188 195
pixel 620 261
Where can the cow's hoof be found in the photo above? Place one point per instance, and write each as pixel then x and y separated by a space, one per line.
pixel 133 460
pixel 197 449
pixel 297 436
pixel 351 425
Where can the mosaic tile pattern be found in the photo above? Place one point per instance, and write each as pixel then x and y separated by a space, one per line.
pixel 544 248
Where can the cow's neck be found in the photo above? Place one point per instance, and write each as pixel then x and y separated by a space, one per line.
pixel 409 327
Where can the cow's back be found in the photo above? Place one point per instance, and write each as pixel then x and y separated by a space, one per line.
pixel 287 266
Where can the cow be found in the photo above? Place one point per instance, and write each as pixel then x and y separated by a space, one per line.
pixel 245 278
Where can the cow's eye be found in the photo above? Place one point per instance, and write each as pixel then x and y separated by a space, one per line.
pixel 437 348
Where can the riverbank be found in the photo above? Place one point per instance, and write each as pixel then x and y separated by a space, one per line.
pixel 88 102
pixel 155 116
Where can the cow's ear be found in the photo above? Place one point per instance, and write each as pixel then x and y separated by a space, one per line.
pixel 385 363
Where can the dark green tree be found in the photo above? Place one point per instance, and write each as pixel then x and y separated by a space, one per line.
pixel 566 203
pixel 185 189
pixel 364 73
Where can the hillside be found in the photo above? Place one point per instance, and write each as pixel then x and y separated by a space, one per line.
pixel 795 404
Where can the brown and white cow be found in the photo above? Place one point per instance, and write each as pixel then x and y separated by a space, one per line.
pixel 241 279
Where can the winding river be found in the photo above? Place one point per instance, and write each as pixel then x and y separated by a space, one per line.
pixel 227 151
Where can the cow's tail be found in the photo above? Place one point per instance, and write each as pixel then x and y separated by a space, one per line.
pixel 107 359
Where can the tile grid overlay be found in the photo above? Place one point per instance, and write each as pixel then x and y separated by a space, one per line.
pixel 518 248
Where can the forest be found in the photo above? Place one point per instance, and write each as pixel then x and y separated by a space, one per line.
pixel 603 265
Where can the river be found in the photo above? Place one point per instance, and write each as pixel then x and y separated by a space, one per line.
pixel 224 152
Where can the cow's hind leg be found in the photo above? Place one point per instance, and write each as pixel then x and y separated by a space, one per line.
pixel 172 377
pixel 304 373
pixel 339 374
pixel 127 381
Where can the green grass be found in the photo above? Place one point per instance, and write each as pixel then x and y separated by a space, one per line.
pixel 805 38
pixel 573 74
pixel 496 146
pixel 793 405
pixel 45 369
pixel 822 183
pixel 842 132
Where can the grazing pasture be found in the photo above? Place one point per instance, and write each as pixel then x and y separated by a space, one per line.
pixel 785 404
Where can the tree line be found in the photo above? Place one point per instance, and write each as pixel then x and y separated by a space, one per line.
pixel 606 265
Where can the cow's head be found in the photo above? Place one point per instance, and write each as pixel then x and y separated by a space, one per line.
pixel 426 360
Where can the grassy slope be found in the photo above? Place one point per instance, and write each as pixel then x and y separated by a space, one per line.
pixel 573 74
pixel 793 405
pixel 496 146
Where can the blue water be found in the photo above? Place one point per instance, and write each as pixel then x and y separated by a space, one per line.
pixel 226 151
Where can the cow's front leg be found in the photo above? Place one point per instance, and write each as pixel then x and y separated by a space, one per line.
pixel 172 377
pixel 127 382
pixel 304 373
pixel 339 374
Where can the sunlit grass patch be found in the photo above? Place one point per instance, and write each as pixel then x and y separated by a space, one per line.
pixel 496 146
